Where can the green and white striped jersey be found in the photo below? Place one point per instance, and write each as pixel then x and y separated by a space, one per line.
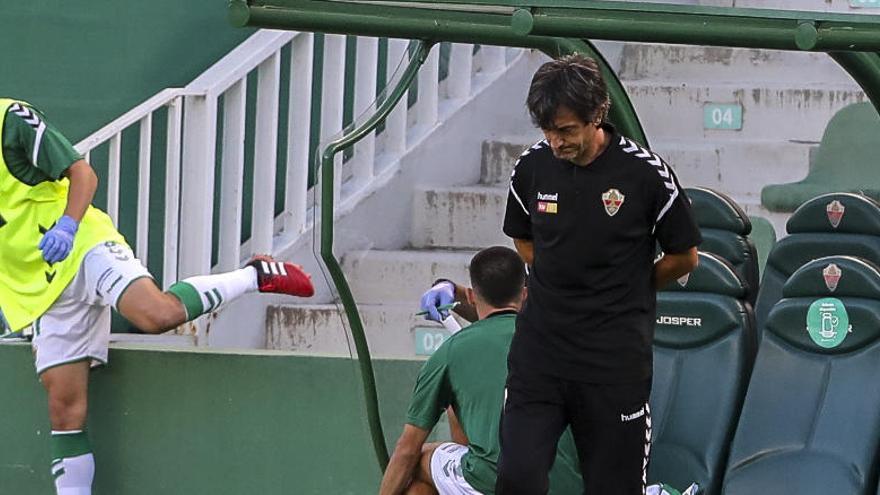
pixel 34 150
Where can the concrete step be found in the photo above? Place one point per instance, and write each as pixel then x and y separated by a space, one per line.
pixel 499 156
pixel 737 168
pixel 378 277
pixel 459 217
pixel 771 111
pixel 739 165
pixel 321 329
pixel 657 62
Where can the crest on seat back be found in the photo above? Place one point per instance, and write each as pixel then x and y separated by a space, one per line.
pixel 831 274
pixel 835 211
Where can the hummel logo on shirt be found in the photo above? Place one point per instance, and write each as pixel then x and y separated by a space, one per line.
pixel 625 418
pixel 547 203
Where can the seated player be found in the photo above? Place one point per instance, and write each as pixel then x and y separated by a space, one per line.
pixel 466 377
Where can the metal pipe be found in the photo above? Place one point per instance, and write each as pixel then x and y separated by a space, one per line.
pixel 717 29
pixel 380 21
pixel 356 326
pixel 453 26
pixel 865 69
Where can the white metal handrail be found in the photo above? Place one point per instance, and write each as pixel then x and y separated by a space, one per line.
pixel 194 118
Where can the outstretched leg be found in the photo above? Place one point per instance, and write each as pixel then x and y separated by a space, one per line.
pixel 154 311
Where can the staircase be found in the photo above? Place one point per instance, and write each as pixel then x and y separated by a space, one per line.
pixel 786 100
pixel 449 224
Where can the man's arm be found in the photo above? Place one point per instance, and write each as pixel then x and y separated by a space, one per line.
pixel 455 429
pixel 57 243
pixel 404 460
pixel 83 184
pixel 526 250
pixel 673 266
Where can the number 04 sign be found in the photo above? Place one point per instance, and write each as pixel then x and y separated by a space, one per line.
pixel 722 116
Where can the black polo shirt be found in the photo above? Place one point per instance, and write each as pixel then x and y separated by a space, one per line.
pixel 590 311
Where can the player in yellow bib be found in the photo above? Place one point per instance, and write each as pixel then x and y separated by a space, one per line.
pixel 63 266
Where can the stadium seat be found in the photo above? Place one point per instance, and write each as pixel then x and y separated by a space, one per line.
pixel 704 346
pixel 837 223
pixel 845 161
pixel 725 228
pixel 810 422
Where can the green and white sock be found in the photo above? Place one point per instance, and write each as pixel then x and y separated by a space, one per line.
pixel 207 293
pixel 73 465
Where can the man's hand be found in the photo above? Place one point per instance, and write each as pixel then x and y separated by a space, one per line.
pixel 672 266
pixel 58 241
pixel 442 294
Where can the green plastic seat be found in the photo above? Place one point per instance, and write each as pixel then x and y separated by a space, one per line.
pixel 810 423
pixel 845 161
pixel 704 346
pixel 725 228
pixel 831 224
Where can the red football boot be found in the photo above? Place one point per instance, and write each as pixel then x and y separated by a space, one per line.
pixel 281 277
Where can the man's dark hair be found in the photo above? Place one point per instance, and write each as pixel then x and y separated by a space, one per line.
pixel 498 275
pixel 574 82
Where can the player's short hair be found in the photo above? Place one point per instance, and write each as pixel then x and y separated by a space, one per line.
pixel 573 81
pixel 498 275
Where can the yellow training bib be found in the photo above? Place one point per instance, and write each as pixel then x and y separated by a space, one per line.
pixel 29 285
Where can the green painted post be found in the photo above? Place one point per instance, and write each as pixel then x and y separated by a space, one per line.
pixel 865 69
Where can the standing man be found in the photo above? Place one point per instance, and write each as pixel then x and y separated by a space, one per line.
pixel 466 376
pixel 63 266
pixel 586 208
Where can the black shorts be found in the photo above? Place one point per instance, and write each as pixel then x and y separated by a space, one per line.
pixel 611 425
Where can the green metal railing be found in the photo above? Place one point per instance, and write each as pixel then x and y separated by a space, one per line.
pixel 356 326
pixel 540 23
pixel 376 19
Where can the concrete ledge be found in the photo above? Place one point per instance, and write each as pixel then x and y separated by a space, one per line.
pixel 200 423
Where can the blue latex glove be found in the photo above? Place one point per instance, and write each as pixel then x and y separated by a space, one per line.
pixel 58 241
pixel 441 294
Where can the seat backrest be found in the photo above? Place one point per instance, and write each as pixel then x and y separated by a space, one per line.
pixel 831 224
pixel 704 345
pixel 725 228
pixel 810 423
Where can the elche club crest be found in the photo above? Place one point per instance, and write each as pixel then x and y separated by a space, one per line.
pixel 831 274
pixel 612 199
pixel 835 211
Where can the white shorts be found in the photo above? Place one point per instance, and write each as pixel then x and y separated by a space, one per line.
pixel 77 326
pixel 446 470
